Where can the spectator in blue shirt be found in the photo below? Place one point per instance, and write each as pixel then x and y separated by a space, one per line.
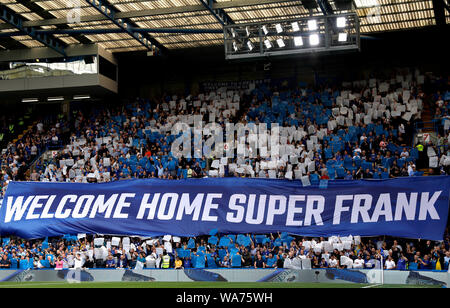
pixel 402 262
pixel 110 262
pixel 424 263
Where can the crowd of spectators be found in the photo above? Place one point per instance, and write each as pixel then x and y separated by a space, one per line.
pixel 360 130
pixel 225 251
pixel 363 130
pixel 16 158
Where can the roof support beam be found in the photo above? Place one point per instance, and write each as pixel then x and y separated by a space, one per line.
pixel 151 12
pixel 108 11
pixel 35 8
pixel 114 30
pixel 325 7
pixel 11 17
pixel 439 12
pixel 219 14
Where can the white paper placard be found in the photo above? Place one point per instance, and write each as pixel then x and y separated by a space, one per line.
pixel 215 164
pixel 99 241
pixel 115 241
pixel 305 181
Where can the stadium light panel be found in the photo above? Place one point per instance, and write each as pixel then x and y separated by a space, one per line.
pixel 312 25
pixel 342 37
pixel 278 28
pixel 295 26
pixel 280 43
pixel 298 41
pixel 268 44
pixel 53 99
pixel 264 28
pixel 250 45
pixel 29 100
pixel 246 30
pixel 81 97
pixel 314 39
pixel 341 22
pixel 235 46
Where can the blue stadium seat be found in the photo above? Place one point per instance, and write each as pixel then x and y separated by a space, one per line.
pixel 366 165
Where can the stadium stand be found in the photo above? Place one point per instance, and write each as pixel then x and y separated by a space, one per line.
pixel 384 116
pixel 330 133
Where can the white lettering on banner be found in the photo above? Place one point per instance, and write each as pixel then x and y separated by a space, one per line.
pixel 383 207
pixel 427 206
pixel 17 209
pixel 162 207
pixel 47 206
pixel 314 212
pixel 408 207
pixel 101 207
pixel 252 209
pixel 62 203
pixel 339 207
pixel 121 204
pixel 209 206
pixel 150 206
pixel 292 210
pixel 35 205
pixel 188 208
pixel 273 209
pixel 231 217
pixel 87 206
pixel 363 210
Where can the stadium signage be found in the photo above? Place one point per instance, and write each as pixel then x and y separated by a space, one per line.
pixel 408 207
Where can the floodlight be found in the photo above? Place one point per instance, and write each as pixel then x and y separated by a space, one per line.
pixel 312 25
pixel 314 39
pixel 268 44
pixel 235 46
pixel 298 41
pixel 278 28
pixel 340 22
pixel 280 43
pixel 250 45
pixel 246 30
pixel 295 26
pixel 342 37
pixel 264 28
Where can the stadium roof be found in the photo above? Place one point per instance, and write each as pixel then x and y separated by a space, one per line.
pixel 130 25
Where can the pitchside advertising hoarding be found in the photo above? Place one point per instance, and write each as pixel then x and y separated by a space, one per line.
pixel 415 207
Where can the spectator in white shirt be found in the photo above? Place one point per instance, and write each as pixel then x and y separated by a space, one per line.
pixel 358 263
pixel 390 264
pixel 333 261
pixel 78 261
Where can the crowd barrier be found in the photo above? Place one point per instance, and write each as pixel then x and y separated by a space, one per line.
pixel 329 275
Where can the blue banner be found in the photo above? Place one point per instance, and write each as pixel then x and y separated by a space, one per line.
pixel 415 207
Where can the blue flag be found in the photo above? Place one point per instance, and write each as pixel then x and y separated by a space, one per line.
pixel 410 207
